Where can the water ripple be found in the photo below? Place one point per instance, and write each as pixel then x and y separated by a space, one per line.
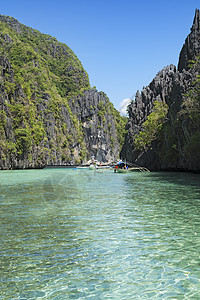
pixel 69 234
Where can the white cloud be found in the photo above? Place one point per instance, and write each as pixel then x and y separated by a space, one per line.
pixel 123 106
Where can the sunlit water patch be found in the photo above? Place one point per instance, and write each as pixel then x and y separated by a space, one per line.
pixel 80 234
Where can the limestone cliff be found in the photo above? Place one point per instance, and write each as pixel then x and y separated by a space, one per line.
pixel 173 143
pixel 49 114
pixel 191 47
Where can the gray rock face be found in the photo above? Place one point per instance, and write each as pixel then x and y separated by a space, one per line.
pixel 168 86
pixel 82 125
pixel 191 48
pixel 99 132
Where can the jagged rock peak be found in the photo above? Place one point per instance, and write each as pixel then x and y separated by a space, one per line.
pixel 191 48
pixel 196 22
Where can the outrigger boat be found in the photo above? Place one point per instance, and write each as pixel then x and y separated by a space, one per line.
pixel 123 167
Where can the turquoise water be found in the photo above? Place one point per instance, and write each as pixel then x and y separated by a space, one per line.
pixel 79 234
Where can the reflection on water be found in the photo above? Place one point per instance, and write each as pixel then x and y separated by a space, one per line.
pixel 79 234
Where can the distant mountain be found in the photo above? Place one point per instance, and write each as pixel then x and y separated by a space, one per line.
pixel 49 114
pixel 164 119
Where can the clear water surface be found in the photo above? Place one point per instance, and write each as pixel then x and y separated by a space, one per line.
pixel 80 234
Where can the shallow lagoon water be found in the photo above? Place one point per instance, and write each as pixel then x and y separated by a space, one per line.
pixel 80 234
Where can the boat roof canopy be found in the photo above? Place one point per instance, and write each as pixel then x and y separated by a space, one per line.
pixel 120 162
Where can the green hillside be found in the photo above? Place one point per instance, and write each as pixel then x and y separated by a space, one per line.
pixel 43 90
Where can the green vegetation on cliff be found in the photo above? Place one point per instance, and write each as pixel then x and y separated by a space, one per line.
pixel 41 85
pixel 189 116
pixel 180 138
pixel 152 126
pixel 40 62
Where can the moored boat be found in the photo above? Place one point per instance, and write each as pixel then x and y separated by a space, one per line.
pixel 122 167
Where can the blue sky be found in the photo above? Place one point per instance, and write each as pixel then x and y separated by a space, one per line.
pixel 121 44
